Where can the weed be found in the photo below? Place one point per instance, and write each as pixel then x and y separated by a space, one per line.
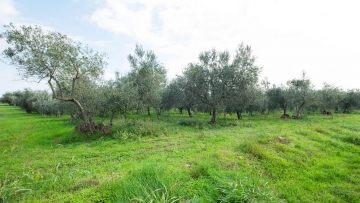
pixel 9 189
pixel 125 134
pixel 136 128
pixel 247 124
pixel 244 190
pixel 200 170
pixel 202 135
pixel 161 195
pixel 233 123
pixel 84 184
pixel 192 122
pixel 283 139
pixel 255 150
pixel 321 130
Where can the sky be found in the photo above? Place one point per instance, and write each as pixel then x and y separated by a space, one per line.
pixel 287 36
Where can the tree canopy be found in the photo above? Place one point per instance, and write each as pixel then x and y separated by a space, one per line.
pixel 216 77
pixel 217 82
pixel 149 75
pixel 67 66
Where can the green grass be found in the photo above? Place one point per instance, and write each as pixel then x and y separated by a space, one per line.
pixel 180 159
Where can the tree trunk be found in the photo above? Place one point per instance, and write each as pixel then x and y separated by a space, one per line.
pixel 89 126
pixel 112 118
pixel 238 113
pixel 158 113
pixel 298 110
pixel 213 118
pixel 180 109
pixel 83 114
pixel 298 113
pixel 346 108
pixel 285 109
pixel 189 112
pixel 148 110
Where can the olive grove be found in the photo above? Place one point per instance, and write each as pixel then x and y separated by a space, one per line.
pixel 217 82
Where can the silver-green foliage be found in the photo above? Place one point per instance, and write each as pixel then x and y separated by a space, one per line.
pixel 67 66
pixel 216 77
pixel 149 75
pixel 8 98
pixel 329 97
pixel 278 97
pixel 301 92
pixel 351 99
pixel 177 95
pixel 121 95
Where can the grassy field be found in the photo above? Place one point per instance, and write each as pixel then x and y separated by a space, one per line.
pixel 179 159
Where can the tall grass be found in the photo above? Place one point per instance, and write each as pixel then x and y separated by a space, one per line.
pixel 149 183
pixel 178 159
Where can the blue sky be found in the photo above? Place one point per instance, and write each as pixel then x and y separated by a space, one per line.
pixel 320 37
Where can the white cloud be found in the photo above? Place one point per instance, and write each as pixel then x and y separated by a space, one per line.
pixel 7 11
pixel 320 37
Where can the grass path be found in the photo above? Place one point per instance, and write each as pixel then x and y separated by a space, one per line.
pixel 262 158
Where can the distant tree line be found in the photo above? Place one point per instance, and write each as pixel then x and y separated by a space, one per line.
pixel 217 82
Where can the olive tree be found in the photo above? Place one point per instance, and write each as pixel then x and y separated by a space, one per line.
pixel 8 98
pixel 257 101
pixel 279 97
pixel 176 95
pixel 300 93
pixel 186 98
pixel 242 101
pixel 50 107
pixel 351 99
pixel 149 75
pixel 263 99
pixel 56 58
pixel 24 99
pixel 170 96
pixel 120 95
pixel 216 77
pixel 329 96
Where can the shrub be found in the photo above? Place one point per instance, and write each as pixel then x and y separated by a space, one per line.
pixel 134 129
pixel 187 122
pixel 192 122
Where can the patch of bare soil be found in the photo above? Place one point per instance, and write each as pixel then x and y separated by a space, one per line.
pixel 283 139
